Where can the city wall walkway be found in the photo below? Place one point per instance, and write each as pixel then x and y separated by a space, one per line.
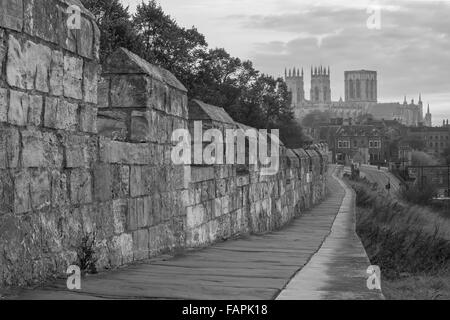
pixel 318 256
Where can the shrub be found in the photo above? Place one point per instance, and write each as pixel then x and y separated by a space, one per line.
pixel 421 195
pixel 401 238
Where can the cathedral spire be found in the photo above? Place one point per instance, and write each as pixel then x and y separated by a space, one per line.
pixel 404 101
pixel 420 98
pixel 285 73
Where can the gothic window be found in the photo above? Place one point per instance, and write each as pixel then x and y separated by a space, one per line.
pixel 352 89
pixel 358 88
pixel 325 94
pixel 316 93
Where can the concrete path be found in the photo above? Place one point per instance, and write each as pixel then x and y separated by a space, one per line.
pixel 254 267
pixel 338 270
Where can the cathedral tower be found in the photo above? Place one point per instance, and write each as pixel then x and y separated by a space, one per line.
pixel 360 86
pixel 428 118
pixel 320 85
pixel 295 84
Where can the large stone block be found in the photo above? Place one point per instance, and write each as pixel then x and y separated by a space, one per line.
pixel 6 192
pixel 73 77
pixel 125 153
pixel 130 91
pixel 91 75
pixel 22 196
pixel 28 65
pixel 60 114
pixel 60 195
pixel 121 181
pixel 80 151
pixel 40 190
pixel 80 186
pixel 3 104
pixel 11 14
pixel 102 182
pixel 139 126
pixel 18 108
pixel 112 124
pixel 119 210
pixel 88 119
pixel 9 148
pixel 35 110
pixel 57 73
pixel 140 245
pixel 40 149
pixel 85 39
pixel 196 216
pixel 103 91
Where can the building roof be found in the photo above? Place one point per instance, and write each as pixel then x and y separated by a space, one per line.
pixel 358 130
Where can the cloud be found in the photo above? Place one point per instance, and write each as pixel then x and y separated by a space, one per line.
pixel 410 51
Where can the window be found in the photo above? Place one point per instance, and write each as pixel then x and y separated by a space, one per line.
pixel 343 144
pixel 431 137
pixel 355 143
pixel 316 93
pixel 376 144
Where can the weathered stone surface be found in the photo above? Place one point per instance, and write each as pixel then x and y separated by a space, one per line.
pixel 80 186
pixel 9 148
pixel 112 124
pixel 196 216
pixel 119 208
pixel 60 195
pixel 102 182
pixel 140 244
pixel 35 110
pixel 57 73
pixel 103 92
pixel 79 151
pixel 18 108
pixel 121 181
pixel 40 149
pixel 2 50
pixel 88 119
pixel 22 196
pixel 28 65
pixel 11 14
pixel 130 91
pixel 124 152
pixel 139 126
pixel 40 190
pixel 73 77
pixel 3 105
pixel 91 75
pixel 85 39
pixel 60 114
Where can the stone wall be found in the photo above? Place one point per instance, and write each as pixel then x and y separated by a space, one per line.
pixel 88 179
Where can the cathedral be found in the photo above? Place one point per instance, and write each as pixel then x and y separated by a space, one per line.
pixel 361 97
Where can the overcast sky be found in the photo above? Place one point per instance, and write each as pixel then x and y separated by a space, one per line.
pixel 410 51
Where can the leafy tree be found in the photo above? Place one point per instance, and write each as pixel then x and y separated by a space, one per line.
pixel 166 44
pixel 314 118
pixel 115 26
